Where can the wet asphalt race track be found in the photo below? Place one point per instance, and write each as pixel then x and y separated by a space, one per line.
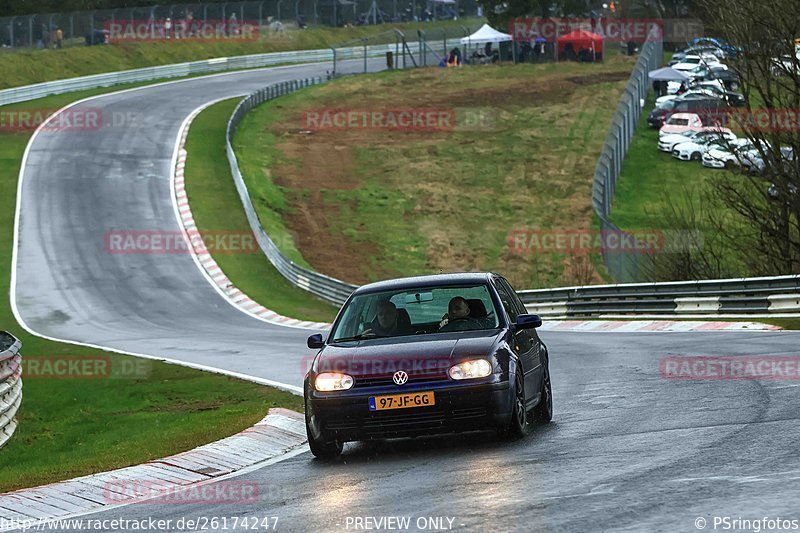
pixel 627 450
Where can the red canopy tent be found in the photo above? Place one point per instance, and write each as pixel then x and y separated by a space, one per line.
pixel 581 40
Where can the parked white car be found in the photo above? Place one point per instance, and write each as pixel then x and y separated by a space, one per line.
pixel 785 65
pixel 722 135
pixel 727 157
pixel 692 69
pixel 681 122
pixel 694 149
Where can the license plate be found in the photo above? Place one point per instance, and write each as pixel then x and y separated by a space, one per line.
pixel 401 401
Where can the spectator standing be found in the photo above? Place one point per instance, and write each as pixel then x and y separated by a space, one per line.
pixel 167 28
pixel 59 38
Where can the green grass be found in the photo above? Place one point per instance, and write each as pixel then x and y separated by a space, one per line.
pixel 74 427
pixel 216 207
pixel 24 67
pixel 383 203
pixel 661 193
pixel 649 177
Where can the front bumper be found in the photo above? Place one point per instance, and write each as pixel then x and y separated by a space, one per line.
pixel 665 147
pixel 458 408
pixel 713 163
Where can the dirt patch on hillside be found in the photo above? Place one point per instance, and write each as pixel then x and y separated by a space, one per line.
pixel 320 168
pixel 600 77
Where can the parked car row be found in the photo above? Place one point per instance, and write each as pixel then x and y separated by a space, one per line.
pixel 691 118
pixel 686 139
pixel 708 93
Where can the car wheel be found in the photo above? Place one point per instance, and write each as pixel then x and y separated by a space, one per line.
pixel 519 425
pixel 730 165
pixel 696 156
pixel 543 412
pixel 322 449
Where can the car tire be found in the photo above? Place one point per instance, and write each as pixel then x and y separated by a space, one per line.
pixel 519 425
pixel 543 412
pixel 696 156
pixel 322 449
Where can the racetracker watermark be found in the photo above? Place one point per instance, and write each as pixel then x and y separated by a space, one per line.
pixel 421 119
pixel 702 368
pixel 152 491
pixel 78 118
pixel 80 367
pixel 584 241
pixel 122 31
pixel 616 30
pixel 159 242
pixel 379 367
pixel 764 120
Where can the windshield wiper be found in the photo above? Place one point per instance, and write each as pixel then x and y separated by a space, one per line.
pixel 356 337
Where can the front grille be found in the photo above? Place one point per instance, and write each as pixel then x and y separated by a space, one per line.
pixel 425 376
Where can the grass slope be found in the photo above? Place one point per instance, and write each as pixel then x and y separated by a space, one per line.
pixel 216 207
pixel 369 204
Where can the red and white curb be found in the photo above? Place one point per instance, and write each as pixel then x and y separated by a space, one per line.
pixel 660 326
pixel 204 259
pixel 279 434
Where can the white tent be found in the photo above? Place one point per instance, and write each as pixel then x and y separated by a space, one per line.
pixel 486 34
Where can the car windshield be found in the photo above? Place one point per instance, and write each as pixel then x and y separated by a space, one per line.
pixel 416 311
pixel 678 122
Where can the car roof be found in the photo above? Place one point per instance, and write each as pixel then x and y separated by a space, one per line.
pixel 433 280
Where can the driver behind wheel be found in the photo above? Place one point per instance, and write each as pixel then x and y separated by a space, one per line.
pixel 457 318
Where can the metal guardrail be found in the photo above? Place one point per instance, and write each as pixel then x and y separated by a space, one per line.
pixel 40 90
pixel 729 297
pixel 623 267
pixel 325 287
pixel 10 384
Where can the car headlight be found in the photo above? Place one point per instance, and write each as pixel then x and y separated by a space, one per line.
pixel 331 381
pixel 479 368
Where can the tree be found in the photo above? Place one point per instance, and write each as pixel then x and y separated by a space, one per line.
pixel 766 203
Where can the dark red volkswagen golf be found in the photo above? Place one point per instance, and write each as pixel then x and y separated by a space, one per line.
pixel 424 355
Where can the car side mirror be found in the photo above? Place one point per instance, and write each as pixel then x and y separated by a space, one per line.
pixel 315 341
pixel 528 321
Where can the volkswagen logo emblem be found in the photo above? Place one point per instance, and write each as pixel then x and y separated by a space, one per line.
pixel 400 377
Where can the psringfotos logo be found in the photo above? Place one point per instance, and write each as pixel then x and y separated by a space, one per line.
pixel 153 491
